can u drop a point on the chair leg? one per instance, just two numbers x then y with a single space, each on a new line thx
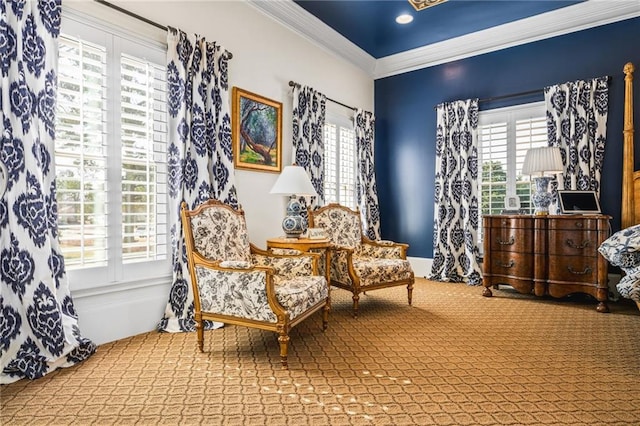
356 303
325 315
410 292
200 333
283 339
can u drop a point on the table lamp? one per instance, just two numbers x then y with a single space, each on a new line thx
542 160
294 182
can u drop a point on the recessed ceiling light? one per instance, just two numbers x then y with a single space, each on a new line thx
404 19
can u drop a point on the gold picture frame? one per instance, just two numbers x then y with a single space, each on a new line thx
257 132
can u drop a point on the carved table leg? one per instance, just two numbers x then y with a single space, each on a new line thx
603 307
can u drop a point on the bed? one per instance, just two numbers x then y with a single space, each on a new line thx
630 214
622 249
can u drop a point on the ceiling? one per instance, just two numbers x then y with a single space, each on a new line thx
371 25
364 32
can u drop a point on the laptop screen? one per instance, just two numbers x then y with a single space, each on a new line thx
579 202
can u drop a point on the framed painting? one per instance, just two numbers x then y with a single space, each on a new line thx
257 132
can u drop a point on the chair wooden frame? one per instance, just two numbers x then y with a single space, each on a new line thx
283 323
356 288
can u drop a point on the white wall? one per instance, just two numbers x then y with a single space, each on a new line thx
266 56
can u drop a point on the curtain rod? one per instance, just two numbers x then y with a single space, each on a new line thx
511 95
514 95
142 18
294 84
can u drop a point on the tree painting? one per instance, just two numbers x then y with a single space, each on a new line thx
257 131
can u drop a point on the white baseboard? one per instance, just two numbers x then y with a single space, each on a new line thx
421 266
105 315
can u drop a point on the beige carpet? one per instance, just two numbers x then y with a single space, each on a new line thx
454 358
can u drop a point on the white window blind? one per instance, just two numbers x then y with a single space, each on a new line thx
144 168
111 167
505 136
493 152
81 153
530 133
347 159
339 161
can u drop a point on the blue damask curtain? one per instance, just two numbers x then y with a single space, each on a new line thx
366 189
309 110
456 217
38 321
577 123
200 154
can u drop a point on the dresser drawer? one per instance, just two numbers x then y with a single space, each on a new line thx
512 264
573 269
509 233
573 243
576 223
513 222
511 239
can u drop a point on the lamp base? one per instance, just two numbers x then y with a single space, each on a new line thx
293 223
542 198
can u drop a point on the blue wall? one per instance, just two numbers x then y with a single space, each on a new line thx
406 119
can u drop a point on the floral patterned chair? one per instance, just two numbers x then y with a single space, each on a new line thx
236 283
359 264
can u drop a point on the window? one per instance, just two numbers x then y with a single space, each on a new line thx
505 136
339 161
110 152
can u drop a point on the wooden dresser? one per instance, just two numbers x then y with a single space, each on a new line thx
553 255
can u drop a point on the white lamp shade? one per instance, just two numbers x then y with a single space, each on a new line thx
293 180
544 159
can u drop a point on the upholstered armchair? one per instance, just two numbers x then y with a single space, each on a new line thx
359 264
234 282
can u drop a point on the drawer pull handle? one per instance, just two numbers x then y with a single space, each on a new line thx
507 243
511 264
579 225
586 271
584 244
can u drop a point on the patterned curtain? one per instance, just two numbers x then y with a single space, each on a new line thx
366 189
309 110
456 218
200 157
577 123
38 322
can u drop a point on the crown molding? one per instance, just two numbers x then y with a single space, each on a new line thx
581 16
294 17
569 19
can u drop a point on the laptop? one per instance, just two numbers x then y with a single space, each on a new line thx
579 202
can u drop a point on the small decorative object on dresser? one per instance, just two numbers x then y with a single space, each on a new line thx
550 255
512 202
